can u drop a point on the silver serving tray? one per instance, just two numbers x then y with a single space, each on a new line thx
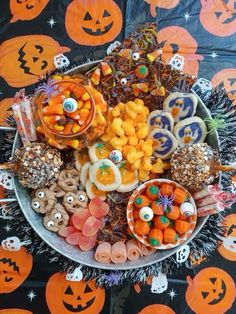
87 258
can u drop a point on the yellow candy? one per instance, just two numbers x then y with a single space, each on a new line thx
115 112
143 175
146 164
147 147
58 128
141 117
133 140
158 167
116 126
128 127
118 141
100 118
80 104
85 96
136 164
121 106
139 102
75 128
142 133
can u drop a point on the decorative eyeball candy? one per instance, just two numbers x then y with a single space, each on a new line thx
115 156
70 105
146 214
187 209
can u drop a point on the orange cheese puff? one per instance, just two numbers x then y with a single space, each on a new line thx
180 196
161 222
157 208
136 213
170 235
68 128
173 212
141 201
152 192
95 78
166 189
53 109
181 226
155 237
141 227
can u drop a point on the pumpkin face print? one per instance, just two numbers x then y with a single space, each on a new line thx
157 309
66 297
228 247
218 17
6 111
92 22
226 78
177 40
26 9
27 58
14 268
212 290
164 4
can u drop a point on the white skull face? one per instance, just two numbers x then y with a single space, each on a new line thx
177 62
77 275
112 47
203 84
182 254
61 61
159 283
230 243
6 180
11 244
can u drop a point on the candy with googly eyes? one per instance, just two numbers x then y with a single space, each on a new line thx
43 200
190 131
135 56
70 105
115 156
181 105
164 143
161 120
146 214
123 81
187 209
56 219
73 201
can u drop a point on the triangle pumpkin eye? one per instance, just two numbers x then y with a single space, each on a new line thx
87 289
69 290
213 280
87 17
105 14
205 294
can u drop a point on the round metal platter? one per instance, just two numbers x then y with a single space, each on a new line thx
87 258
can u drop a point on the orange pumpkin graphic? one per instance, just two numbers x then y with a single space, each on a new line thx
14 311
23 59
157 309
15 267
218 17
67 297
177 40
228 247
226 78
26 9
212 290
164 4
5 111
93 23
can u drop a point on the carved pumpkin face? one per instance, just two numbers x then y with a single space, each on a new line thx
92 23
27 57
26 9
6 111
218 17
164 4
15 311
14 268
157 309
177 40
66 297
228 247
212 290
226 78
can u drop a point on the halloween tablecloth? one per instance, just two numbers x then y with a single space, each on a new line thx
32 32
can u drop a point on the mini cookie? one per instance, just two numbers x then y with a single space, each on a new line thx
190 131
58 192
98 151
74 201
161 120
164 143
43 200
81 157
56 219
68 180
181 105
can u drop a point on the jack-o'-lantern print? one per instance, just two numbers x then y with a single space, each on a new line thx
228 246
6 111
92 22
27 58
212 290
226 78
218 17
26 9
15 266
177 40
163 4
157 309
67 297
15 311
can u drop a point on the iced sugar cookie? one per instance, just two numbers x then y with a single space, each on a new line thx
92 191
81 157
181 105
84 172
164 143
129 177
160 119
190 131
98 151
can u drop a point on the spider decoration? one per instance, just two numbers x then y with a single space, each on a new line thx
48 89
218 122
166 201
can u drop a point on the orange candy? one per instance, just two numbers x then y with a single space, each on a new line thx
170 235
181 226
161 222
152 192
155 237
173 212
157 208
166 189
136 214
180 196
141 201
141 227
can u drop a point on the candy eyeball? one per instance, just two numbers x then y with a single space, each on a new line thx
70 105
70 199
135 56
58 216
115 156
50 223
123 81
82 198
146 214
187 209
36 205
41 194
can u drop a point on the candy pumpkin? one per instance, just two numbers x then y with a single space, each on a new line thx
26 9
67 297
27 57
217 17
14 268
157 309
177 40
228 246
92 22
15 311
212 290
6 111
163 4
